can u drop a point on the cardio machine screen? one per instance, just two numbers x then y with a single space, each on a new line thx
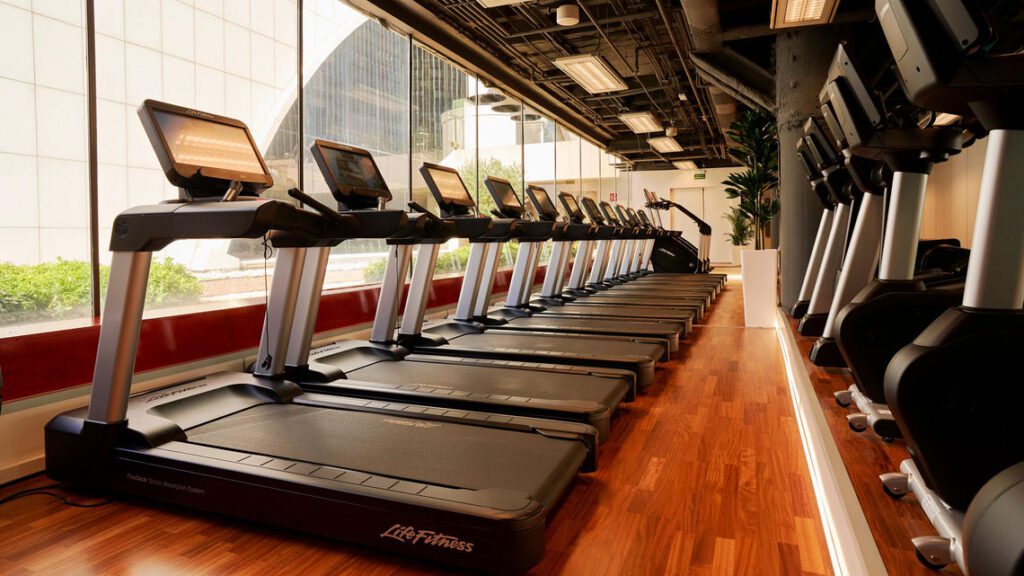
540 196
356 170
506 194
203 143
450 186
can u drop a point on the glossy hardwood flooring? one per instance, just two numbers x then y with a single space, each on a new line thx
703 474
893 522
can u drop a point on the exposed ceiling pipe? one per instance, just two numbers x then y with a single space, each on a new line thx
663 10
425 26
737 76
587 25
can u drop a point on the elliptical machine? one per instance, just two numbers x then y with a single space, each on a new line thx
949 390
824 228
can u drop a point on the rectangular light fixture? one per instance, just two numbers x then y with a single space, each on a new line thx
946 119
496 3
641 122
685 164
591 72
791 13
665 144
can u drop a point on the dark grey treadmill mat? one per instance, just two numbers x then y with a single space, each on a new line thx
425 451
507 381
597 325
566 343
603 310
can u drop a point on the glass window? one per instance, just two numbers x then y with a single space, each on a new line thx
608 169
567 161
45 269
239 63
500 151
357 93
590 170
539 150
444 131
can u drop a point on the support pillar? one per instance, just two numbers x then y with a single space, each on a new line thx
802 58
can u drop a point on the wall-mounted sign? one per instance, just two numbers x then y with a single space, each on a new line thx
700 175
613 197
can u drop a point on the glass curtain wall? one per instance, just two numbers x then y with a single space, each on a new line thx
444 131
356 92
234 59
45 267
362 85
590 170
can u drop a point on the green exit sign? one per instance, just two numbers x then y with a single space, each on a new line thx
700 175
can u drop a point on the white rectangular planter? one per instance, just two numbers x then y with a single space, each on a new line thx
760 287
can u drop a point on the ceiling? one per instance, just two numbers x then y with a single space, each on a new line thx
661 48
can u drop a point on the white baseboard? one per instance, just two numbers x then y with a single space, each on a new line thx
851 546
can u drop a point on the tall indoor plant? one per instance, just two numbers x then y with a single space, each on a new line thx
755 144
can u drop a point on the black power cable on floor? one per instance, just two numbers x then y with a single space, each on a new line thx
47 491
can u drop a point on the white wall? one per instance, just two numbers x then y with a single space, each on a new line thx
712 209
951 199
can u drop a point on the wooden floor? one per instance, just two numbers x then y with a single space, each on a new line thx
893 522
703 474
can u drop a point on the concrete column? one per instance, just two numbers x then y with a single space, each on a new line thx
801 63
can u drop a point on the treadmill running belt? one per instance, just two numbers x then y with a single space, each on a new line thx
427 451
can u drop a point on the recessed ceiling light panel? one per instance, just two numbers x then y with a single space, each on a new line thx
641 122
592 73
495 3
791 13
685 164
664 144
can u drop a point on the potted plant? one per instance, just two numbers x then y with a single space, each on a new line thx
755 145
740 233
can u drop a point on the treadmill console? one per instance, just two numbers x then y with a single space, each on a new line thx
850 101
351 174
449 191
592 211
207 156
609 214
542 202
505 197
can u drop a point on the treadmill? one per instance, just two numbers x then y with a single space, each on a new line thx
465 488
608 276
381 370
561 303
519 315
681 281
551 295
457 337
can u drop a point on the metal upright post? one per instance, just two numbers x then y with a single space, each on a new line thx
390 298
119 336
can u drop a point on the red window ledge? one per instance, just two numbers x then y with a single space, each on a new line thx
46 362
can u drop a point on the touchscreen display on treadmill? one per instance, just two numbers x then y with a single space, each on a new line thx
449 185
506 194
541 195
352 169
573 205
199 142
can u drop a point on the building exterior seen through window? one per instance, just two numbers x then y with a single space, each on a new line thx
362 85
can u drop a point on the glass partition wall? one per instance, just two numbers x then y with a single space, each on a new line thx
361 84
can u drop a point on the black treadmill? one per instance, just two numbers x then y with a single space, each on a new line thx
456 337
552 296
682 282
380 369
516 316
573 302
461 487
